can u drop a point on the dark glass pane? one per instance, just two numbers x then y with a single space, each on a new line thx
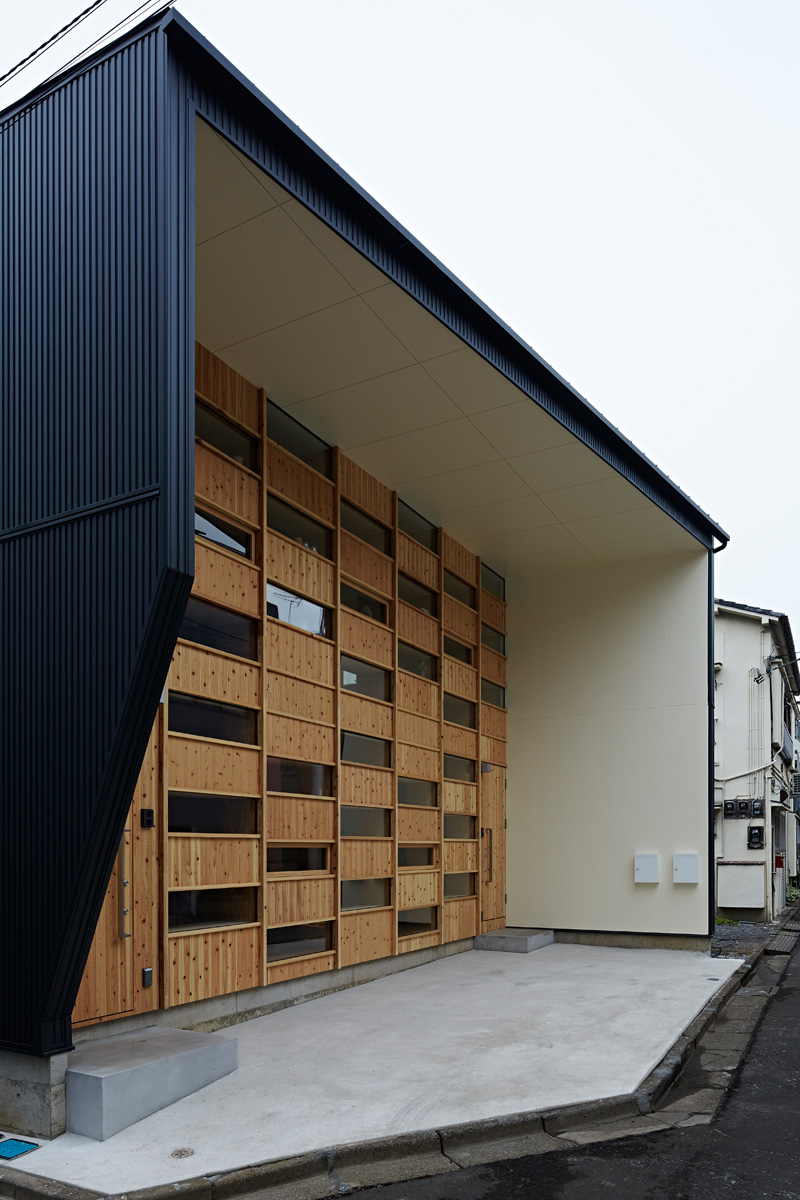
459 828
297 611
414 593
416 661
494 640
416 526
366 528
492 693
366 893
212 719
210 427
293 941
361 677
417 920
367 605
355 821
369 751
191 812
458 589
462 769
301 778
222 533
415 856
207 907
297 858
297 527
458 711
416 791
492 582
298 440
457 650
461 883
219 628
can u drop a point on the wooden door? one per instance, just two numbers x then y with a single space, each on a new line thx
107 986
493 848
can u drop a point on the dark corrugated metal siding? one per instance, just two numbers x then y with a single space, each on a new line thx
96 480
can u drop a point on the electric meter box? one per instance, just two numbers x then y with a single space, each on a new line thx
686 868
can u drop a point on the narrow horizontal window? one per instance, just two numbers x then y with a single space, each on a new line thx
492 693
458 711
298 440
457 650
297 527
363 603
197 812
458 589
219 628
212 719
214 529
355 821
367 528
415 856
416 661
416 791
368 751
293 941
459 883
366 680
366 893
298 611
461 769
207 907
223 435
297 858
492 582
459 828
492 639
417 920
415 526
415 594
299 778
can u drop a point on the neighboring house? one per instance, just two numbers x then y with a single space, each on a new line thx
757 724
424 567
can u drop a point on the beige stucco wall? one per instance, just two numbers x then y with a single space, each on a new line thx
608 745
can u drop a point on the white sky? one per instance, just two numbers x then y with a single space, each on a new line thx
617 179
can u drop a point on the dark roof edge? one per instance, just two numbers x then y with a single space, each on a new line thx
782 620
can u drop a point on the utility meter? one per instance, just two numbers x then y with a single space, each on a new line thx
755 837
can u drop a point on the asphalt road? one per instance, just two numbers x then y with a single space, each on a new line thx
750 1151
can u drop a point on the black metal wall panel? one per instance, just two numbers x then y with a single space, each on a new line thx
96 481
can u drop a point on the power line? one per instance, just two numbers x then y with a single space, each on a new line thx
51 41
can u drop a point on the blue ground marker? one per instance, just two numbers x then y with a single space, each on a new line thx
13 1147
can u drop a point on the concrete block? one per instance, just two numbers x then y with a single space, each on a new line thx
32 1094
116 1082
515 941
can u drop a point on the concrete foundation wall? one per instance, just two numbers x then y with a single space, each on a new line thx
33 1098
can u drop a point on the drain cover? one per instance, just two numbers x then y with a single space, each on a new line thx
13 1147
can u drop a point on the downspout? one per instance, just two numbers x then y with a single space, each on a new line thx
712 862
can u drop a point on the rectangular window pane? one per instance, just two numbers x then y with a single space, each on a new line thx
415 856
207 907
223 435
214 529
459 883
191 812
297 527
458 827
296 610
416 791
361 677
458 589
369 530
416 661
300 778
492 582
417 920
212 719
293 941
414 593
298 440
297 858
458 711
366 893
369 751
457 650
494 640
492 693
355 821
363 603
416 526
462 769
219 628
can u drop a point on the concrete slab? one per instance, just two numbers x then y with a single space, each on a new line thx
515 941
469 1037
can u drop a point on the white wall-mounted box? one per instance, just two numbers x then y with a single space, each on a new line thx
645 868
685 868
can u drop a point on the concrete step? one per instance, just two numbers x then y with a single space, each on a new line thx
515 941
117 1081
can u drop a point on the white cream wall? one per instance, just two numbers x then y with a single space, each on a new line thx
608 745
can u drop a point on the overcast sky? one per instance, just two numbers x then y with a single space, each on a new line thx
617 179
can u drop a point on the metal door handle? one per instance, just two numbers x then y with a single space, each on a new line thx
123 883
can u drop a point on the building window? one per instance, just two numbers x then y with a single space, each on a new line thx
212 719
368 751
223 435
298 611
295 941
297 527
415 856
415 594
460 769
417 920
492 693
355 821
297 859
367 528
416 661
457 650
458 884
492 639
199 812
416 526
459 590
493 583
459 828
366 893
205 908
219 628
366 680
299 778
211 527
298 440
363 603
421 792
458 711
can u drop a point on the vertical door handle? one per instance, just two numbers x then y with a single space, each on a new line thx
123 883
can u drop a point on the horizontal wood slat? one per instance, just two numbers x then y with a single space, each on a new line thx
456 740
461 856
201 862
418 731
459 559
493 750
493 666
417 824
460 620
201 672
213 767
417 628
417 561
360 715
419 942
459 797
293 901
365 491
298 698
366 639
288 737
295 819
299 483
300 570
226 485
366 785
493 611
417 695
459 679
366 858
301 654
365 936
226 388
368 566
202 965
281 971
417 762
417 889
493 721
460 919
220 578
